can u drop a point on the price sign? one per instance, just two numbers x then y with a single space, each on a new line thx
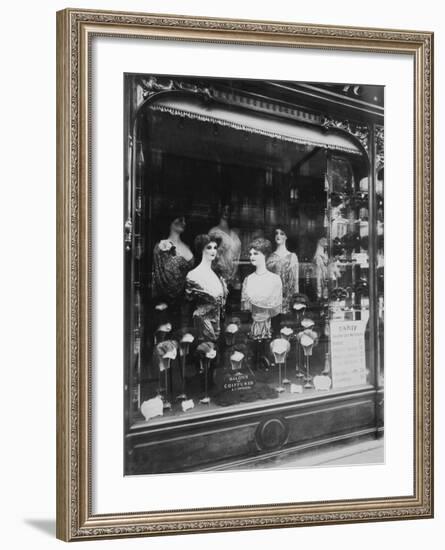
348 360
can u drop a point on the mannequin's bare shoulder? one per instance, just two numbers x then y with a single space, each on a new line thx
193 274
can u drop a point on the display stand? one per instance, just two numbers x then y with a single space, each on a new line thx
280 348
184 348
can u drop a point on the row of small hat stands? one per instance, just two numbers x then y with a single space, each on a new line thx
170 352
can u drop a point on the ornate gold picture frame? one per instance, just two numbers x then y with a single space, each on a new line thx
76 483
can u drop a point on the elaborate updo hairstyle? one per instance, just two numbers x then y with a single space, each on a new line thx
262 245
201 241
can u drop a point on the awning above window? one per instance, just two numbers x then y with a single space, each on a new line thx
259 124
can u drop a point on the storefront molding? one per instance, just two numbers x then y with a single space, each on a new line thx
291 451
198 443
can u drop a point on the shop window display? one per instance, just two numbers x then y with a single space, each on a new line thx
253 283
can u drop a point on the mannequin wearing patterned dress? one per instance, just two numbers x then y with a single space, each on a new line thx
262 292
172 260
207 290
285 264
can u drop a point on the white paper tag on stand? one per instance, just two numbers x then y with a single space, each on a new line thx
188 404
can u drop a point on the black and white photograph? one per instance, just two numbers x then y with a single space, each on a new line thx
221 235
254 274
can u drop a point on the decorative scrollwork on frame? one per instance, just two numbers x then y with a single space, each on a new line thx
359 131
153 85
254 522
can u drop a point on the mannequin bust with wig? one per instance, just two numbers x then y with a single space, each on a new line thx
172 258
207 290
285 264
262 291
205 274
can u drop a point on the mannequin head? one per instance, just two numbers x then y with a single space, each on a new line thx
222 212
172 221
178 225
259 250
225 212
280 235
206 248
